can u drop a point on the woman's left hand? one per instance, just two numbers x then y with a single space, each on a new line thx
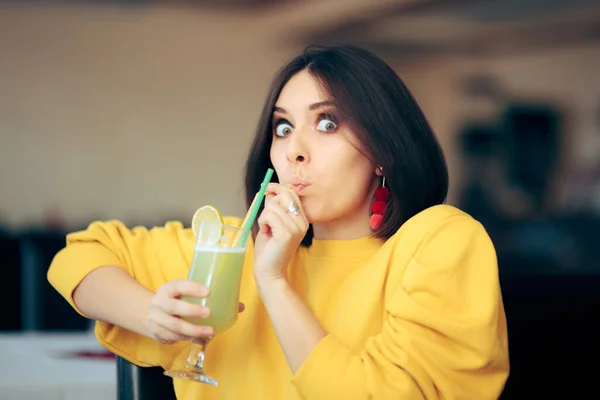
282 226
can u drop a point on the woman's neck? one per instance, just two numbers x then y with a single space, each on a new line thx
343 229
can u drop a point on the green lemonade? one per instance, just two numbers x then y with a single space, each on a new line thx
220 269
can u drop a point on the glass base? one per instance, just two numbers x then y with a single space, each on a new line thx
192 376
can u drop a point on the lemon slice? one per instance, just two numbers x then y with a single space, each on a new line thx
207 225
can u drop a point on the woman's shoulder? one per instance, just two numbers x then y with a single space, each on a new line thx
432 216
439 242
439 228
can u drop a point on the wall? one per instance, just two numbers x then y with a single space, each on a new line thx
141 115
566 77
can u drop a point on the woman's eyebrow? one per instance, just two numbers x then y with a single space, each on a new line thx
321 104
279 110
312 107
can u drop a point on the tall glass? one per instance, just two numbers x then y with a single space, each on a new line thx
220 269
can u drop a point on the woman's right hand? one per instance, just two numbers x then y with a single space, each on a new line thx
167 310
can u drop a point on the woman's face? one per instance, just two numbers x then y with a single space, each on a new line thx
312 151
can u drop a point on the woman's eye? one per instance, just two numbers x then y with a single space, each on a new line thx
326 125
283 129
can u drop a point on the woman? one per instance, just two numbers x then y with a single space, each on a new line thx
346 297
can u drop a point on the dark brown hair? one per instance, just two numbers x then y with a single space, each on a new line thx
385 119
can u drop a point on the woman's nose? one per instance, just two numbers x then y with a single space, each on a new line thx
297 151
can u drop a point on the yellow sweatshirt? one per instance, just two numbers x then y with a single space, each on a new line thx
418 316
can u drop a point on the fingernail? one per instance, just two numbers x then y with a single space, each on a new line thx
208 331
205 312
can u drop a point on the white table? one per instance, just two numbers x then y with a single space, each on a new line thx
38 367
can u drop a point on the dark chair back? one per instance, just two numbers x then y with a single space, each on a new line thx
137 383
10 263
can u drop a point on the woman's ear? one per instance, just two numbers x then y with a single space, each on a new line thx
379 171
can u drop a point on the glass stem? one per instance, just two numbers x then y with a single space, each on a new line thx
195 360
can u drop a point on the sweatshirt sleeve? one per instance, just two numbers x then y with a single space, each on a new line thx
112 244
444 332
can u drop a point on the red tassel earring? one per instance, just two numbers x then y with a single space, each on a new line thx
382 195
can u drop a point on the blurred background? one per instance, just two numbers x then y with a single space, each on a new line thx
143 110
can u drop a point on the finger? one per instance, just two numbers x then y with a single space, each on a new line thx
287 193
182 308
284 201
292 223
276 188
298 202
269 197
184 287
271 223
181 327
165 336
